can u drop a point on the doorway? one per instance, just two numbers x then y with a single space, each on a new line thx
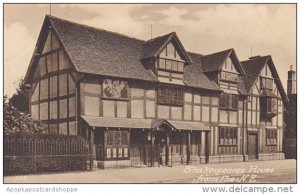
252 146
161 156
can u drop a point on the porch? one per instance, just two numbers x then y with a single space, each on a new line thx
123 142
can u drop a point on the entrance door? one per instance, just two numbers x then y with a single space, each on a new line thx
160 148
252 146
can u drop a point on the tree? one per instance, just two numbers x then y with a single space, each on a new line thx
20 99
15 121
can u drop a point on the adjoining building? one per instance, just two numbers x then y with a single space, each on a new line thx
150 103
290 117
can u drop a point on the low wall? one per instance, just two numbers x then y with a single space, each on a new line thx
271 156
113 164
226 158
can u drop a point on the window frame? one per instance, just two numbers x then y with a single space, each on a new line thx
229 101
264 85
228 136
170 95
224 76
170 65
271 136
118 144
266 102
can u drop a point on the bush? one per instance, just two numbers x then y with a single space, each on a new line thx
15 121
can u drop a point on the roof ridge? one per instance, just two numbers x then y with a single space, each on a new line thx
95 28
218 52
153 39
256 58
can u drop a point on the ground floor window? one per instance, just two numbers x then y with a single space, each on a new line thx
271 136
116 143
227 135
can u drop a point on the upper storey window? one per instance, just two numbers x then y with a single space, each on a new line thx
170 95
170 60
228 72
229 101
266 83
229 76
268 106
170 65
266 79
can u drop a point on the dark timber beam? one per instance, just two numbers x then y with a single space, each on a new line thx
91 141
152 148
188 147
167 148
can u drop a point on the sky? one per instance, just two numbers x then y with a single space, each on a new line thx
251 29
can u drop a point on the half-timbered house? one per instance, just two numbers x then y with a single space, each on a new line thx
150 103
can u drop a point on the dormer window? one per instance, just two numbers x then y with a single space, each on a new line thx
228 71
171 65
229 76
266 83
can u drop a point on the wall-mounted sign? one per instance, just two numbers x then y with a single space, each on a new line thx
115 88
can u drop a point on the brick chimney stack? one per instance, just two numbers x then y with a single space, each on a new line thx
291 82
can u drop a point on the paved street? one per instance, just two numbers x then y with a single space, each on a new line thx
276 171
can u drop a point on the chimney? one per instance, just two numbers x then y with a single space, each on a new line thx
291 82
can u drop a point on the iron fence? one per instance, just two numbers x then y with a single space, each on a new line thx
38 153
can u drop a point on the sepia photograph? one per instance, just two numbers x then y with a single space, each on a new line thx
150 93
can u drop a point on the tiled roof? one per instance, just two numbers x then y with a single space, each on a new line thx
102 52
252 68
142 123
214 61
195 77
151 47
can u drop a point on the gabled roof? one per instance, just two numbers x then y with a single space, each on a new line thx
152 48
253 67
214 61
195 77
252 70
100 52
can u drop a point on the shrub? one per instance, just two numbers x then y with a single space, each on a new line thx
15 121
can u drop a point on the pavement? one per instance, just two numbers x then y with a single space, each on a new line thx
274 171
